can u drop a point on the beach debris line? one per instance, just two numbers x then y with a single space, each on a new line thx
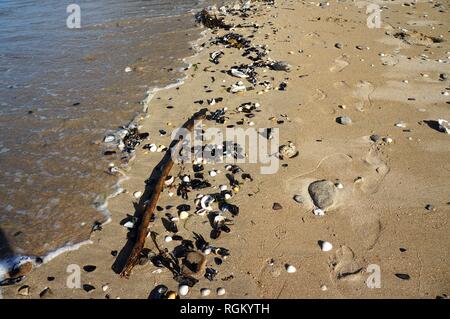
210 18
164 168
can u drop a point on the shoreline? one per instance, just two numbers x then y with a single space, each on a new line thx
360 226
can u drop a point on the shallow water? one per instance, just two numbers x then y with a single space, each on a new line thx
62 90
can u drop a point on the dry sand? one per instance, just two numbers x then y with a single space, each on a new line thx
378 217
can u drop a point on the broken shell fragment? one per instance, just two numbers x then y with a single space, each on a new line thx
206 202
129 225
288 151
168 239
236 88
169 180
318 212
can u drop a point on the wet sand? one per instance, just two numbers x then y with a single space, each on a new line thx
380 216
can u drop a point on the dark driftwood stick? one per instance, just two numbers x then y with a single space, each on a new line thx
164 166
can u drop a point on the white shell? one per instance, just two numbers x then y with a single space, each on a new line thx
206 202
105 287
169 180
184 215
318 212
223 187
207 251
128 69
137 194
401 124
128 225
388 140
227 196
183 290
109 139
221 291
323 288
153 148
326 246
161 148
291 269
205 292
235 88
339 185
212 173
238 74
168 239
186 179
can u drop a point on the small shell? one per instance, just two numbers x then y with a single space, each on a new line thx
318 212
223 187
227 196
207 251
153 148
206 202
213 173
291 269
168 239
171 295
128 69
169 180
221 291
129 225
183 215
339 185
183 290
161 148
186 179
109 139
388 140
205 292
326 246
137 194
323 288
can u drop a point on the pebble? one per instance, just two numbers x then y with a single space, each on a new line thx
298 199
109 139
400 124
344 120
221 291
388 140
291 269
183 290
429 207
105 287
322 193
375 137
212 173
205 292
128 69
137 194
338 45
323 288
277 206
326 246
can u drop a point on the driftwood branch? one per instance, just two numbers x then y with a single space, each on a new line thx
163 169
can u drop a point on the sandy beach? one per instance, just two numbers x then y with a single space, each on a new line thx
361 105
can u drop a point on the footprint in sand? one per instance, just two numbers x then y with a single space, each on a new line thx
339 64
362 92
345 266
360 171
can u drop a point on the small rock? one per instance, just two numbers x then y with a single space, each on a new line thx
322 193
344 120
298 199
323 288
338 45
429 207
375 137
137 194
277 206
